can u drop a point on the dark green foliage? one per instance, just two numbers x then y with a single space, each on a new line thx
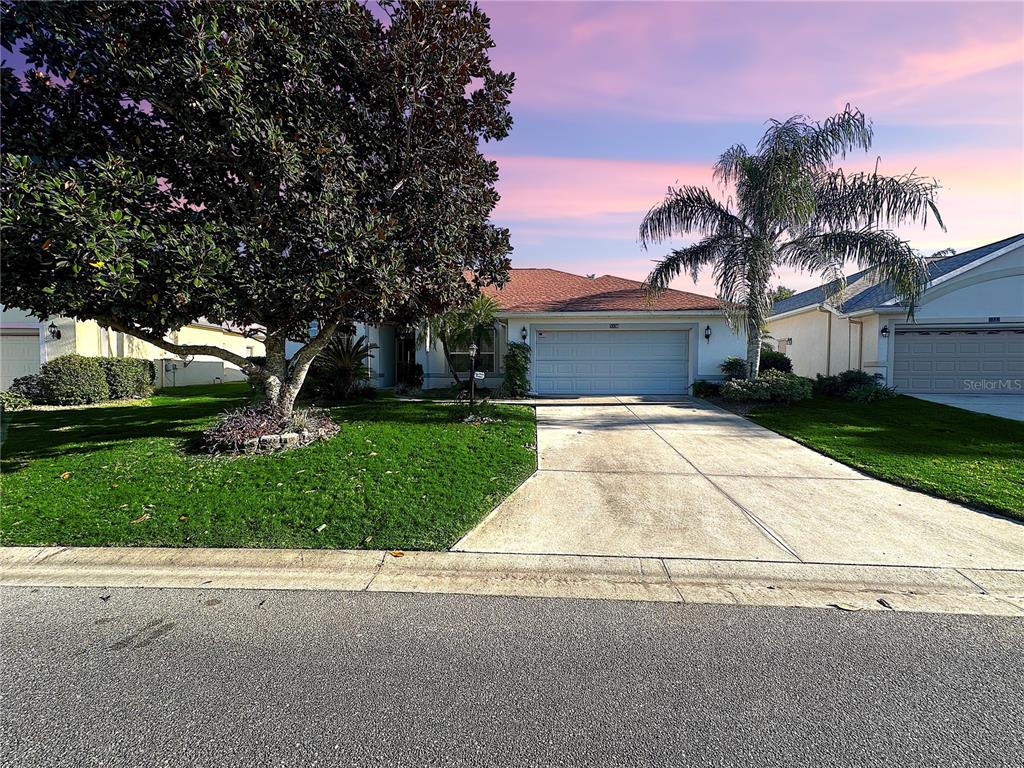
517 370
74 380
775 361
127 376
13 401
410 376
265 163
342 371
702 388
771 387
31 387
853 384
734 368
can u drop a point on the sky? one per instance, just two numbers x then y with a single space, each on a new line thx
615 101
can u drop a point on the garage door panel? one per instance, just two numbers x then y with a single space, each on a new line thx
19 354
958 361
609 361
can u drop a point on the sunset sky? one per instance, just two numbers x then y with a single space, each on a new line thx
617 100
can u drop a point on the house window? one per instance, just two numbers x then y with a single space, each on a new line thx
484 354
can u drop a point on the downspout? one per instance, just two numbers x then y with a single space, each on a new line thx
828 341
860 341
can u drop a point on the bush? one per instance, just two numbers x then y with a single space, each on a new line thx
410 376
127 376
770 387
74 380
853 384
30 387
517 370
13 401
341 371
734 368
234 430
774 361
703 388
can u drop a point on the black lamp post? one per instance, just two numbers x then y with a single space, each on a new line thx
523 334
54 331
885 331
707 333
472 374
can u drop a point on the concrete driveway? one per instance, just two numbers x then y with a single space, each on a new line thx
1004 406
626 477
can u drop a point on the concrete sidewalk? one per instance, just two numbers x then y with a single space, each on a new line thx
844 587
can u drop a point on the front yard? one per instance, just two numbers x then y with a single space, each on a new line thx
958 455
400 475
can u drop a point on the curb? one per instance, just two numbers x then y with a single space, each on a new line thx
734 582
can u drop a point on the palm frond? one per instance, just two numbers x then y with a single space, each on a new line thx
730 164
863 200
688 209
691 259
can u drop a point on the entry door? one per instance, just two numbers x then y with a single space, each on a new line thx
612 362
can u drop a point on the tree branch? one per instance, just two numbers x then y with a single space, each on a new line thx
181 350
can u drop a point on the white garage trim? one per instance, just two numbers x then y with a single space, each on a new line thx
958 360
613 358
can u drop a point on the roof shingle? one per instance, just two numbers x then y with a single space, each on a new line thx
551 290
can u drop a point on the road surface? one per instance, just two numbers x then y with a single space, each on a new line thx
154 677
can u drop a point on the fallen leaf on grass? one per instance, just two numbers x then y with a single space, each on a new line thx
142 518
183 519
65 475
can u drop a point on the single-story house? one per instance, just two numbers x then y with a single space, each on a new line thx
26 343
967 334
588 336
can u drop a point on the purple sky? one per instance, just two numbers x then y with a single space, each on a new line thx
617 100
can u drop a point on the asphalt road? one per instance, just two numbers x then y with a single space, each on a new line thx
237 678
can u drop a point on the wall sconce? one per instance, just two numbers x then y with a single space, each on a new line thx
885 331
523 334
54 331
707 334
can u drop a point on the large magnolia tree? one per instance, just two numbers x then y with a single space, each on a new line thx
271 165
790 206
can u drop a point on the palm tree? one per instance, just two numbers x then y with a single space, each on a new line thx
790 206
344 362
459 326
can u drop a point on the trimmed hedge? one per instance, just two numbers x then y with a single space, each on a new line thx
128 376
769 387
856 385
772 360
74 380
30 387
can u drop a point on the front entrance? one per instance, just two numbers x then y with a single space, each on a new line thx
405 355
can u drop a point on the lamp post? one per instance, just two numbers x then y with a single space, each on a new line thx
472 374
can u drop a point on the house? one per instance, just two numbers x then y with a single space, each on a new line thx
26 343
588 336
967 334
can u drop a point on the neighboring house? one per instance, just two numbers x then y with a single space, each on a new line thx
588 336
967 334
26 343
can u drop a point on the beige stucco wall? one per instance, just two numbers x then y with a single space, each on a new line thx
826 343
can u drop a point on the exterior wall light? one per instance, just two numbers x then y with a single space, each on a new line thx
54 331
885 331
523 334
707 334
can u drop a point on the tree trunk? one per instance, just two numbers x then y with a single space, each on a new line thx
753 350
451 363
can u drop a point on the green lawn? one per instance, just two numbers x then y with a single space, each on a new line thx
959 455
400 475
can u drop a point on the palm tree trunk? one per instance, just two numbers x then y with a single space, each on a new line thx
753 350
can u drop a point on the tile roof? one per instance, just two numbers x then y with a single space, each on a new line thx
551 290
864 291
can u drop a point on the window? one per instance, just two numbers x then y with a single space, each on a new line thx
484 354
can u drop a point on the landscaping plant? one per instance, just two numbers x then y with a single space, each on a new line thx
342 370
279 166
30 387
789 206
245 429
127 376
13 401
734 368
73 380
774 361
771 387
517 370
853 384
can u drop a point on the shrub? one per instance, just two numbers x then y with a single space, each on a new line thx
734 368
770 387
517 370
774 361
30 387
127 376
74 380
341 370
870 393
13 401
234 429
703 388
853 384
410 376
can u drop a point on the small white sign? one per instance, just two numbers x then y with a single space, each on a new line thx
479 375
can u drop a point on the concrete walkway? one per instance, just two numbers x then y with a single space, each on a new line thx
1004 406
621 477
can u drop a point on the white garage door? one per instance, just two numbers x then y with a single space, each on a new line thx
19 354
612 362
959 361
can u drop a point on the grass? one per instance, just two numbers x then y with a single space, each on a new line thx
958 455
400 475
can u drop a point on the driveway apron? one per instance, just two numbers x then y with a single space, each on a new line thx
625 477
